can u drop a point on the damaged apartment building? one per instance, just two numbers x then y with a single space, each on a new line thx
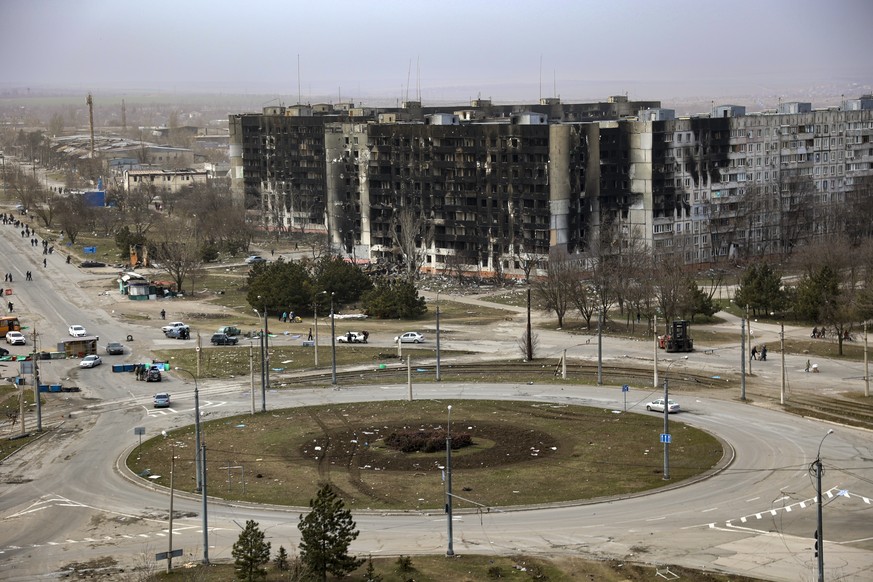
497 190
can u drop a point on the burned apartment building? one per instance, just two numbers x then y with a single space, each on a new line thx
497 190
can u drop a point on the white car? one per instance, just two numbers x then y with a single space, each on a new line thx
15 338
658 406
172 326
90 361
410 337
251 260
77 331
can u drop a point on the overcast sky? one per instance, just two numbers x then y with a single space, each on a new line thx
451 49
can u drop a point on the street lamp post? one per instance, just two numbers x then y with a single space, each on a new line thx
438 378
332 342
197 460
819 534
450 550
265 358
172 491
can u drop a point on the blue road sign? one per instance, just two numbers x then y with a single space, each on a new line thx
665 438
625 388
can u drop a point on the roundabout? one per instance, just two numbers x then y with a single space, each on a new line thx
518 453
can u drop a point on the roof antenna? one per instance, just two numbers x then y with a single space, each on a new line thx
541 76
298 78
408 76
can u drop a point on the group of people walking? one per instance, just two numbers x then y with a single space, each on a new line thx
759 354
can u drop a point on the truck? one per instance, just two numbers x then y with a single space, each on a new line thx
676 339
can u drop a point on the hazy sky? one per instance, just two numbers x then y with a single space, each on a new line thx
451 49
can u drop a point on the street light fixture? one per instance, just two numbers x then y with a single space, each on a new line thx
665 437
172 491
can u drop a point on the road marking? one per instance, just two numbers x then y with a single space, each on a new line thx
708 510
657 518
803 505
742 519
752 499
758 515
787 508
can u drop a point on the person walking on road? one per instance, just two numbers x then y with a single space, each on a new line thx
163 314
44 263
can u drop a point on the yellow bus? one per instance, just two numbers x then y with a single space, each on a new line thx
8 324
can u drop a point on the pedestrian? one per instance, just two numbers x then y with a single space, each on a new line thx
44 263
272 252
163 314
310 335
284 317
11 307
764 354
807 366
815 332
292 317
754 352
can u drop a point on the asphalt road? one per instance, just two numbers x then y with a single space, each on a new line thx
66 500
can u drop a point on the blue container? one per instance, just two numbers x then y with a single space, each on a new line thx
55 388
128 367
117 368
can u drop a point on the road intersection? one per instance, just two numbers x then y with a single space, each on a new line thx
69 498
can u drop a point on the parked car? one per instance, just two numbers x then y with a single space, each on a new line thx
3 352
173 325
91 361
179 333
115 349
77 331
252 259
229 330
91 264
410 337
658 406
15 338
153 375
353 337
161 400
222 339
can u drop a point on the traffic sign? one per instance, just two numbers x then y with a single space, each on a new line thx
165 555
625 388
665 438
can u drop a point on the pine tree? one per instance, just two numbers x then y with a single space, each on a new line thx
250 553
326 533
370 575
281 559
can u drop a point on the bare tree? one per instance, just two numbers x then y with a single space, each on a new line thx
73 215
177 252
413 234
555 291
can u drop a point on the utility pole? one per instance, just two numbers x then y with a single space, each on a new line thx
866 365
205 522
450 550
37 397
666 430
529 340
819 532
172 490
782 349
655 329
252 373
600 347
743 360
438 378
266 360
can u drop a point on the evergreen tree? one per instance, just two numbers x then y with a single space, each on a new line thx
326 533
761 289
394 300
281 559
282 286
250 553
370 575
346 280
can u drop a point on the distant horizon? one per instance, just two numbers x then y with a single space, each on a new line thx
752 97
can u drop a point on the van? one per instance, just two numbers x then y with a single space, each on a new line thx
8 324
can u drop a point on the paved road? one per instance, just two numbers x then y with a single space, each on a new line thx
65 499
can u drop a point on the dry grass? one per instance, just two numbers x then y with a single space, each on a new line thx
524 453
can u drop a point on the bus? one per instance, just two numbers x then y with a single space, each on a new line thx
8 324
